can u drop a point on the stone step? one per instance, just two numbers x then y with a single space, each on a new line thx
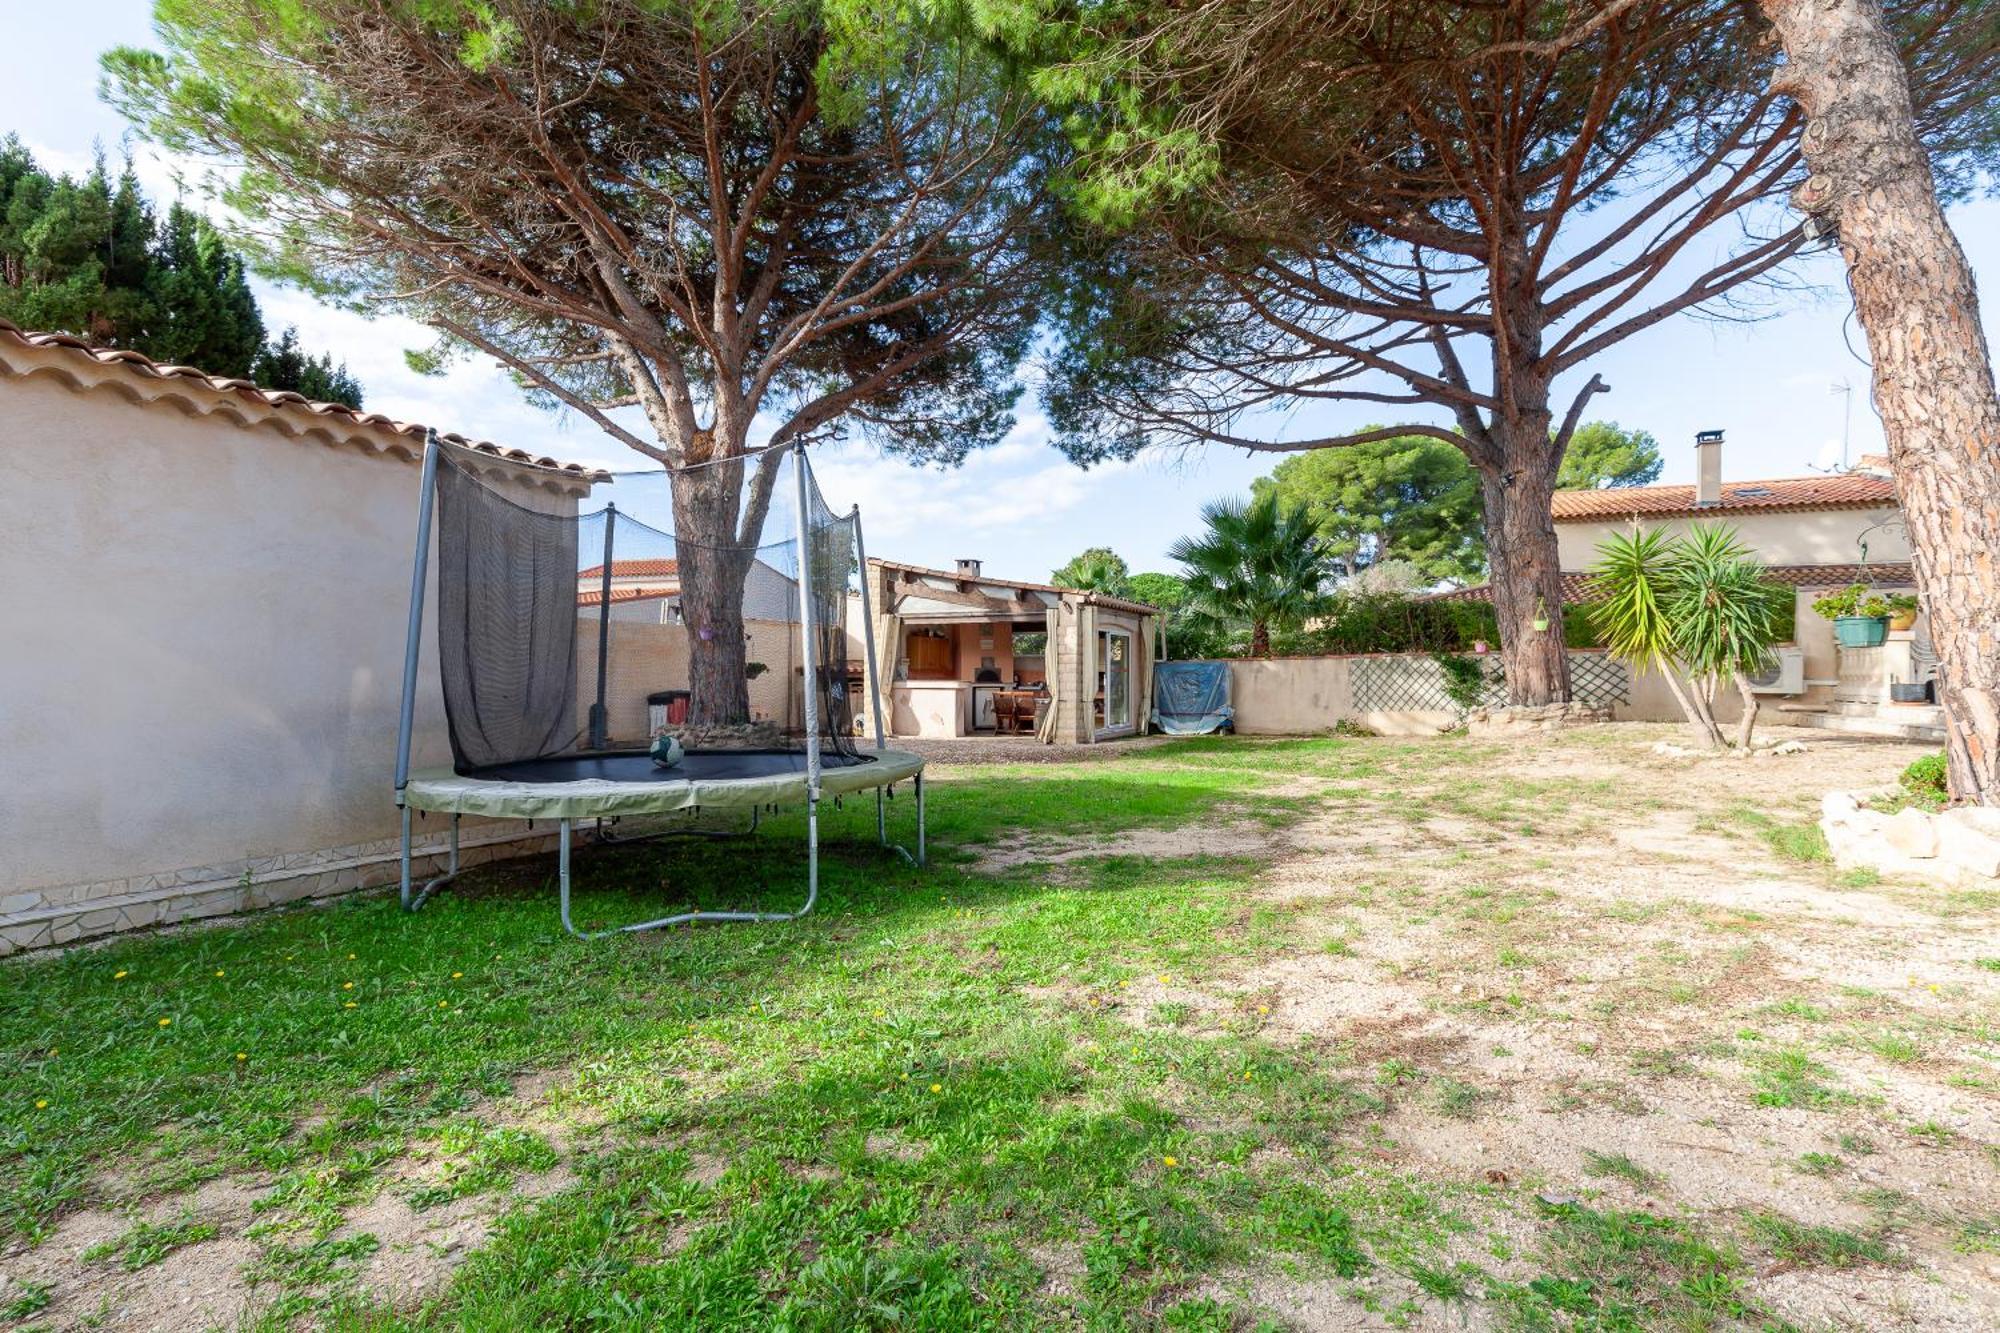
1889 728
1908 714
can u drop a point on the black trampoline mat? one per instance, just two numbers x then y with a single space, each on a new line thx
638 766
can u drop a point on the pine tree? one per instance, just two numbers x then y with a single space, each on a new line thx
285 366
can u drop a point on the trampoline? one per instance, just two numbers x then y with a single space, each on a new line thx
536 736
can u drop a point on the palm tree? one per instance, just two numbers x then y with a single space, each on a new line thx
1258 564
1095 570
1695 609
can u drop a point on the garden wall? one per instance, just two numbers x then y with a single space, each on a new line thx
1398 694
203 603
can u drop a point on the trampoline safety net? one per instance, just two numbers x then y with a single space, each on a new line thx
568 631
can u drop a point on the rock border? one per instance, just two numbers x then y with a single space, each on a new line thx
1953 846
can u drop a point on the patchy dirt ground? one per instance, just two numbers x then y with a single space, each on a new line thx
1597 976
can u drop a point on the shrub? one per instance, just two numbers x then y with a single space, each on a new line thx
1364 622
1464 680
1924 781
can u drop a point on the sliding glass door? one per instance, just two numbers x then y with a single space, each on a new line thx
1114 656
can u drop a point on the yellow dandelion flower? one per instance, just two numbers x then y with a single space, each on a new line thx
1123 984
350 958
1170 1161
347 985
350 1005
41 1104
165 1022
242 1055
1263 1008
881 1013
1165 980
456 975
937 1087
1933 989
1246 1076
220 973
120 976
906 1078
444 1004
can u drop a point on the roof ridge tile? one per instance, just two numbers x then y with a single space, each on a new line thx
281 400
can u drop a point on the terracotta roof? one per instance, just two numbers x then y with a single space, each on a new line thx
635 569
596 595
410 434
993 581
1846 490
1575 584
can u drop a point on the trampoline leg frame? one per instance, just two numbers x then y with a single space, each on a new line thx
882 823
689 918
412 902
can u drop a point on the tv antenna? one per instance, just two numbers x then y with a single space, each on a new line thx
1842 387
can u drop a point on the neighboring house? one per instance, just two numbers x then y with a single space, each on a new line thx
649 590
1814 534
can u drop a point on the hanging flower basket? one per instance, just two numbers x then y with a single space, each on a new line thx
1860 631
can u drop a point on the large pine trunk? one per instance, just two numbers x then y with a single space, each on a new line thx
1871 180
712 570
1525 571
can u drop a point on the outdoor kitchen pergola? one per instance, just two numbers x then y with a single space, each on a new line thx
968 654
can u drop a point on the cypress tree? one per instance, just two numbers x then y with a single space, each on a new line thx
89 257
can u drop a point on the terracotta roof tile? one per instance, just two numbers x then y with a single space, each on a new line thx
1846 490
635 569
994 581
138 364
1575 585
595 596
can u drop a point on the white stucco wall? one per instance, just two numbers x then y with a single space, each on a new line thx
204 624
1791 537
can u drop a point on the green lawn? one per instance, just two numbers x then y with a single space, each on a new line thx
933 1104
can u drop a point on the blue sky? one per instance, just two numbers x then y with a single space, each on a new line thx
1021 506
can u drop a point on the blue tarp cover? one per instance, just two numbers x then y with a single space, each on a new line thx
1190 698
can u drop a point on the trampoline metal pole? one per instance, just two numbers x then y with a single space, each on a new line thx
868 644
806 631
404 891
562 876
413 642
810 693
600 719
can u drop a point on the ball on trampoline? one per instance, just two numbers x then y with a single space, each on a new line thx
667 751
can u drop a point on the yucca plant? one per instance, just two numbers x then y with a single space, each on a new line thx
1725 615
1696 609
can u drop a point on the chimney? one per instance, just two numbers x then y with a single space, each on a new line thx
1707 469
968 568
